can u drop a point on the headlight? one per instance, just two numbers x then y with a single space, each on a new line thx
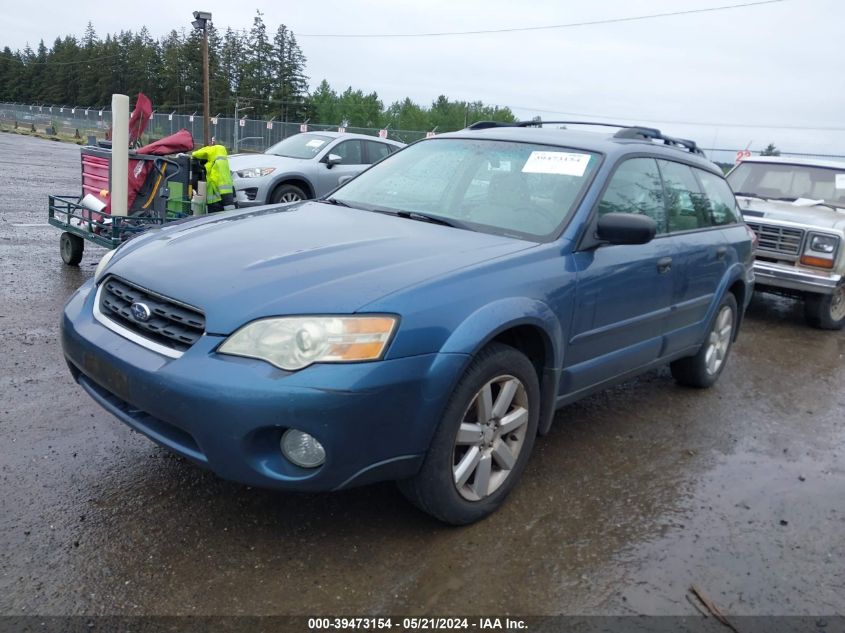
823 243
255 172
292 343
101 267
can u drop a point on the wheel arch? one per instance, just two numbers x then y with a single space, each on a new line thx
297 181
739 291
529 326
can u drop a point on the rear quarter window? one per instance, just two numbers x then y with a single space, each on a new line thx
719 198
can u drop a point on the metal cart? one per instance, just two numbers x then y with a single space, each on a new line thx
164 197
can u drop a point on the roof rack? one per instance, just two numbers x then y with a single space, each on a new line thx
655 135
625 131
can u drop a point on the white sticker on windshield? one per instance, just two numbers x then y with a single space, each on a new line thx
840 181
562 163
315 142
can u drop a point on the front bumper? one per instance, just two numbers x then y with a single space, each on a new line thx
792 278
375 420
252 192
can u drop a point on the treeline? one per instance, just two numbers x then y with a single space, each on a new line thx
269 69
260 71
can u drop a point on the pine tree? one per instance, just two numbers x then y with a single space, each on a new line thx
257 79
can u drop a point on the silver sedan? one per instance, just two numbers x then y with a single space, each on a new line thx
304 166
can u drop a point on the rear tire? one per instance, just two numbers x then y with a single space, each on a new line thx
483 441
826 312
704 369
71 248
287 194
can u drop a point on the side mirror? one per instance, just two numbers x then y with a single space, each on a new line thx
332 160
626 228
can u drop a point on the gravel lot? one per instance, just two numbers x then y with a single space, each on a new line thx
638 492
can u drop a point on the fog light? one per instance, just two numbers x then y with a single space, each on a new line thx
302 449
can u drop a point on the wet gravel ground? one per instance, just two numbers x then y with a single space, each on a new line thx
638 492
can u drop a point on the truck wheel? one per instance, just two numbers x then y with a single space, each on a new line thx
71 247
826 312
482 444
703 369
286 194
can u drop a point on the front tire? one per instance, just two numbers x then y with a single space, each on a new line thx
483 441
287 194
826 312
704 369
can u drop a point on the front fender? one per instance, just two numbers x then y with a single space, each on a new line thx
483 325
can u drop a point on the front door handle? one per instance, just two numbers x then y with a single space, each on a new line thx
721 252
664 265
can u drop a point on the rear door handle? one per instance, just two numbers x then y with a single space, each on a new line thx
664 265
721 252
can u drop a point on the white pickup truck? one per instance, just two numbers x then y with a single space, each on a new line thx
796 206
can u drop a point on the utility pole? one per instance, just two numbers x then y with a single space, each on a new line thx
200 23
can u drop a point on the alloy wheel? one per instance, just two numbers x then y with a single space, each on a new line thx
490 437
719 341
290 196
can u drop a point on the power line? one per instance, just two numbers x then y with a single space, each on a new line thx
548 26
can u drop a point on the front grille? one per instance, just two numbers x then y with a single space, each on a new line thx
172 324
778 239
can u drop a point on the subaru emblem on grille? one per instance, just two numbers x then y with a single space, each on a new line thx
141 311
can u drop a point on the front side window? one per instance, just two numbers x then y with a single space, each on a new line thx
635 187
350 152
686 206
518 189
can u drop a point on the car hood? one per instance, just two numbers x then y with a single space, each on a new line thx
245 161
311 258
754 210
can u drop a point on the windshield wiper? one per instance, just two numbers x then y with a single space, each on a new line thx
336 202
747 194
434 219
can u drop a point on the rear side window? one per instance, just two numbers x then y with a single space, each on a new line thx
376 151
635 187
686 206
720 199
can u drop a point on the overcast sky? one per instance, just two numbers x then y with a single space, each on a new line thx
778 65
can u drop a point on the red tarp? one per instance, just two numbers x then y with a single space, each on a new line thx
181 141
140 117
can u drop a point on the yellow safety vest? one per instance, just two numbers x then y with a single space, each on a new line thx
218 177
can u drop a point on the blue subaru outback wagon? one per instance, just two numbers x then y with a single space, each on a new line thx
424 321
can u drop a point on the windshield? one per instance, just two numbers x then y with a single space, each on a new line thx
777 181
299 146
515 189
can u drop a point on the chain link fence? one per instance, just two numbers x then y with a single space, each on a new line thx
245 135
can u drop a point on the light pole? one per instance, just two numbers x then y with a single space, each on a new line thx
200 23
238 110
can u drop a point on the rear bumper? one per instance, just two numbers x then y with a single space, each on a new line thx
791 278
375 420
